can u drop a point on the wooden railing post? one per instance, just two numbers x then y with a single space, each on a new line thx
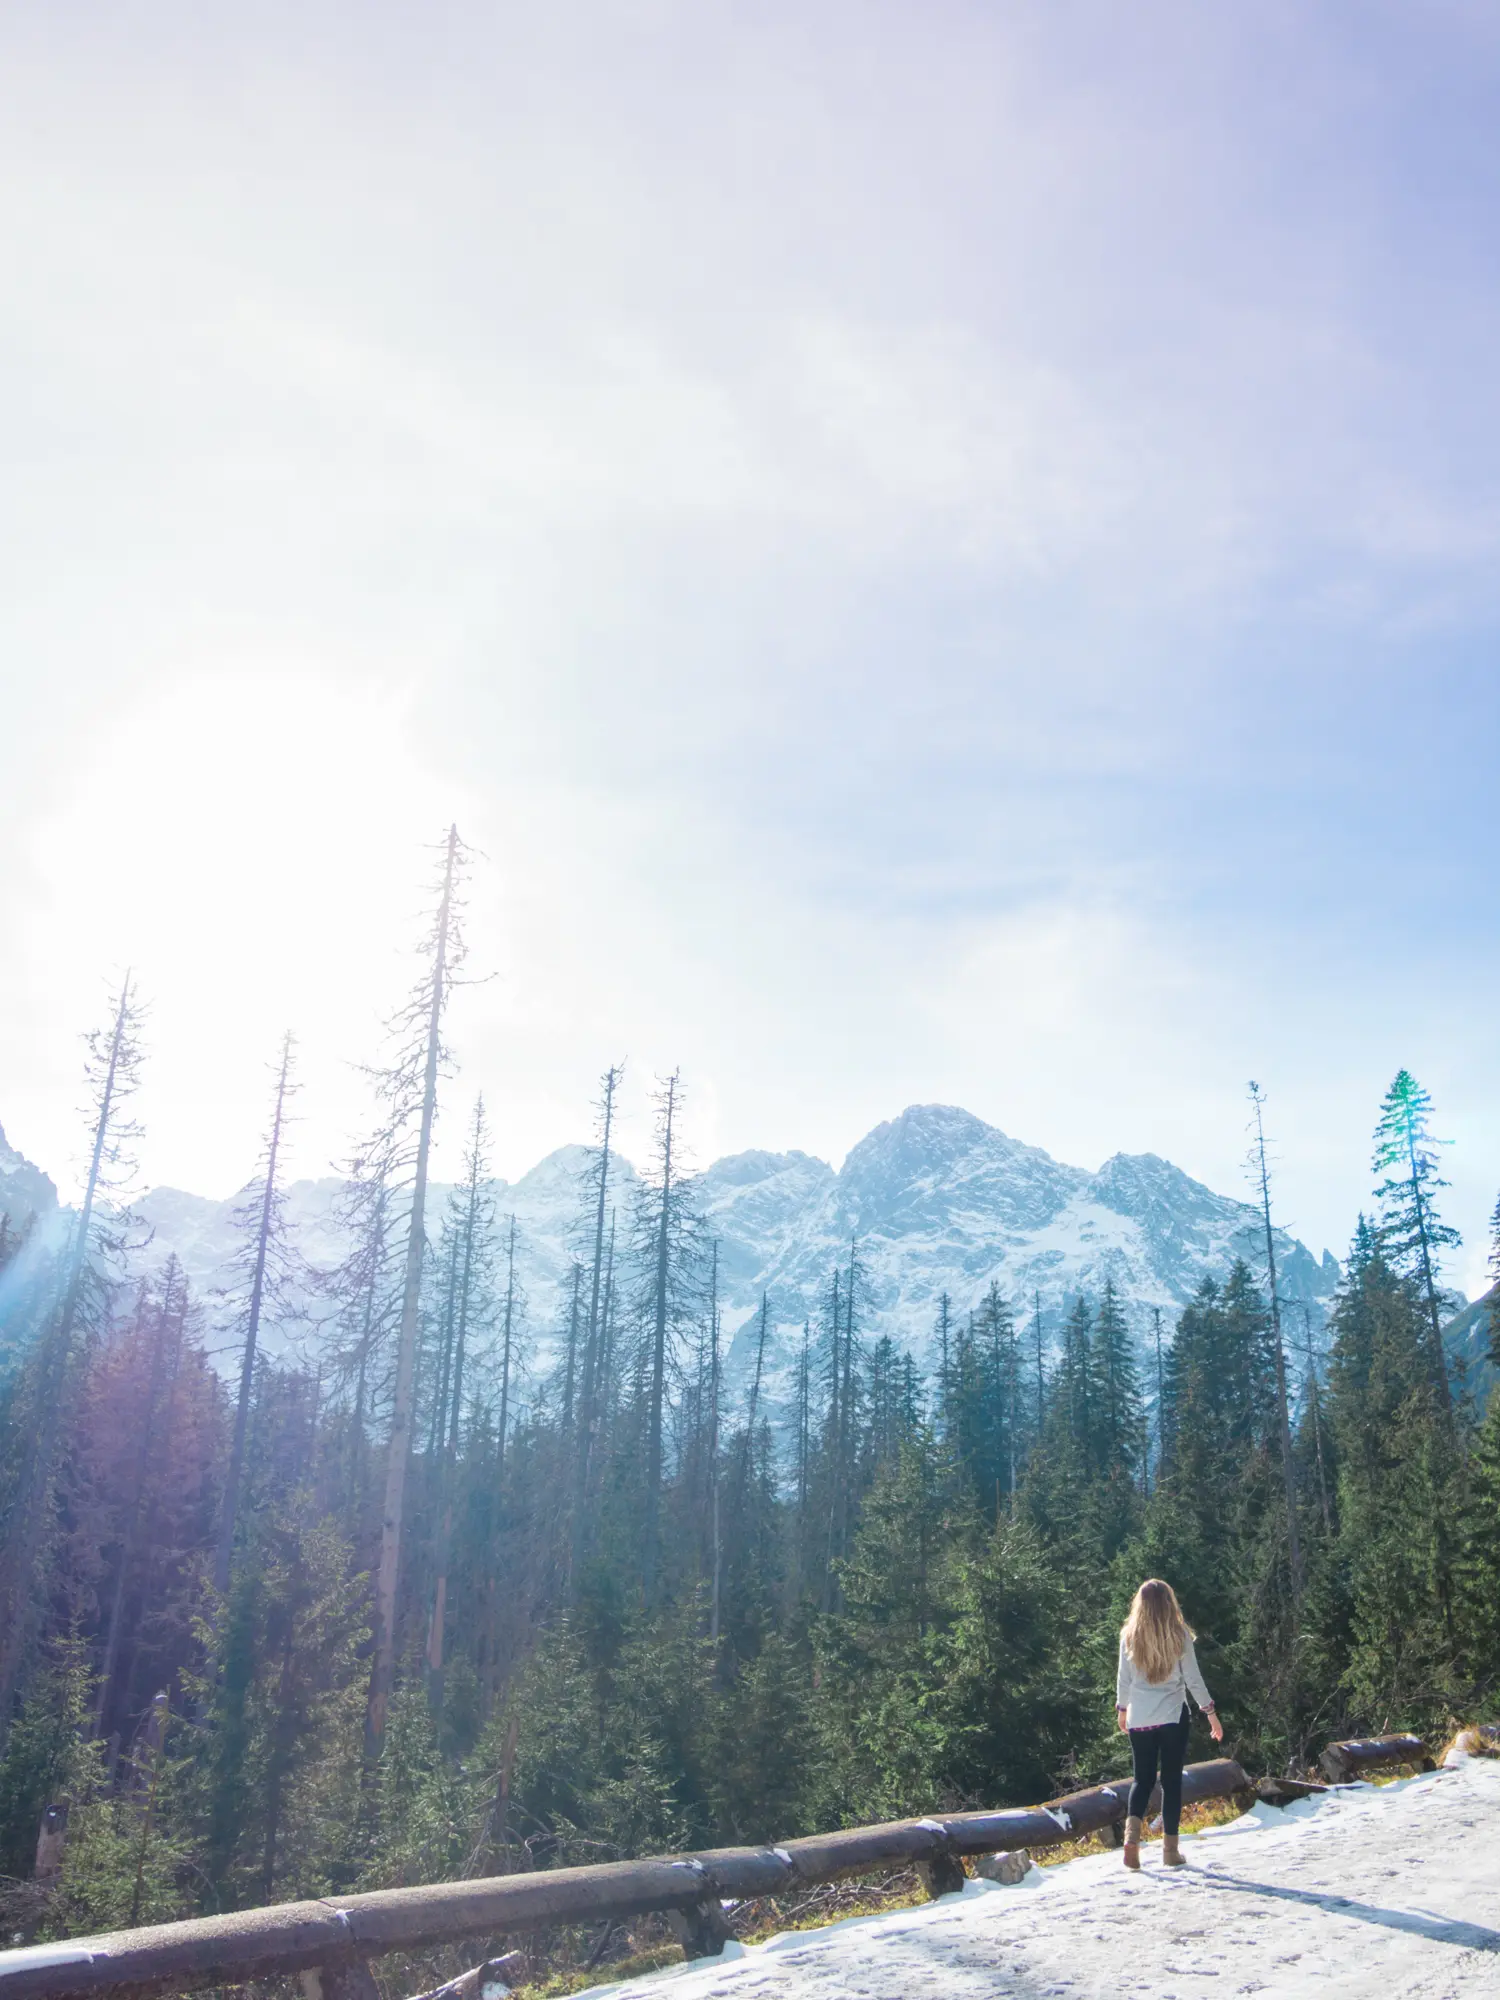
942 1873
1342 1762
340 1979
702 1929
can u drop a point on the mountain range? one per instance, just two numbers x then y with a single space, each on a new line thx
935 1201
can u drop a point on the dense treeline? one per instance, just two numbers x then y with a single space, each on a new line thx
417 1610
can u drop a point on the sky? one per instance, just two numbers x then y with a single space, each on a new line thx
934 552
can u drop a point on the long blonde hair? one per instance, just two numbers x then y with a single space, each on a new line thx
1155 1634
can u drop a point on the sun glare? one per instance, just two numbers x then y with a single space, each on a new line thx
253 845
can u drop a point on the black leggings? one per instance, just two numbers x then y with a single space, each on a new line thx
1165 1745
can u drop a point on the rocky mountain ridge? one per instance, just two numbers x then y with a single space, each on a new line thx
934 1201
25 1191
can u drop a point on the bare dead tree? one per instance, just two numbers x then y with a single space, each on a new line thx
1283 1416
716 1529
112 1072
508 1349
666 1232
168 1319
471 1218
588 1401
411 1085
267 1256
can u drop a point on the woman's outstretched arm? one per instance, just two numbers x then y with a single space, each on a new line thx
1198 1688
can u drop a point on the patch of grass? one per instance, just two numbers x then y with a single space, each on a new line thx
751 1922
1210 1812
576 1980
1394 1773
833 1903
1073 1850
1477 1738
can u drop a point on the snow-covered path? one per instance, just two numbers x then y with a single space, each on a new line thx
1366 1895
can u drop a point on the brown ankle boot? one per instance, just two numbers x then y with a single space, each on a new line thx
1132 1843
1171 1853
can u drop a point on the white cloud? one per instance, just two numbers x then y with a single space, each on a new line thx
892 530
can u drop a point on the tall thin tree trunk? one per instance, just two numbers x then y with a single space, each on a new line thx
173 1302
506 1347
459 1311
748 1453
228 1513
1316 1395
713 1447
1161 1399
153 1738
28 1521
593 1332
760 1361
835 1433
1438 1360
1012 1416
1283 1414
945 1315
1318 1449
572 1365
283 1744
1040 1385
366 1336
804 1417
847 1439
438 1428
651 1564
382 1679
461 1341
605 1389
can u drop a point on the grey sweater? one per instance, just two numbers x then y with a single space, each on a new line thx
1148 1704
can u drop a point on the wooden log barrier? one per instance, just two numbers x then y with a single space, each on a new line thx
1343 1762
1287 1791
330 1942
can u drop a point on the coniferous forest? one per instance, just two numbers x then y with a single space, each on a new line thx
422 1610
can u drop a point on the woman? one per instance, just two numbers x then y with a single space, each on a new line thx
1158 1670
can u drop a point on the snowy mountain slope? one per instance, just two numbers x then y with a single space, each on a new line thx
1472 1336
203 1235
1366 1895
29 1210
25 1190
935 1201
938 1201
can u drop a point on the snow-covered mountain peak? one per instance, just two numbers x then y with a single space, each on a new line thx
936 1160
752 1203
753 1169
25 1191
1147 1187
558 1177
934 1202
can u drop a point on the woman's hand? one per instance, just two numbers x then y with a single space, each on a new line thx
1120 1718
1216 1728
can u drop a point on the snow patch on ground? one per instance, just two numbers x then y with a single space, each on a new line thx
1370 1893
